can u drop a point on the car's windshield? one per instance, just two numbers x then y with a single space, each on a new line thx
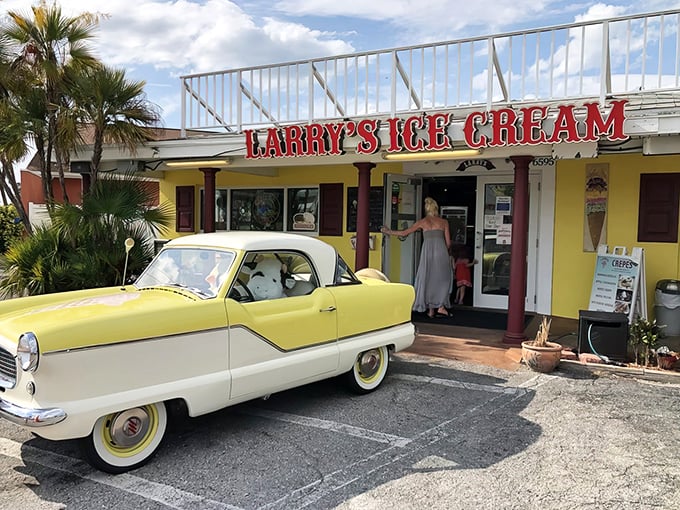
199 270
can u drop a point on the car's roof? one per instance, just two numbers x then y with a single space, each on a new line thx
323 255
248 240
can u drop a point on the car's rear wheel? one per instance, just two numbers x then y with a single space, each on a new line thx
369 370
126 440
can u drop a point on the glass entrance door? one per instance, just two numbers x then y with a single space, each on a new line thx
493 241
403 207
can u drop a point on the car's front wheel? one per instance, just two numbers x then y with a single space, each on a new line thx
369 370
127 439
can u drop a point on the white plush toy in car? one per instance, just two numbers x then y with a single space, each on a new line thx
269 279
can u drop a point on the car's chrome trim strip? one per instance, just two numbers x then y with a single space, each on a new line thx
368 332
149 339
278 347
317 344
31 417
234 326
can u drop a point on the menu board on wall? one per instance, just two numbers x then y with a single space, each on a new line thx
375 209
619 282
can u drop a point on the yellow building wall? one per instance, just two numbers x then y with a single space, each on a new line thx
288 176
573 268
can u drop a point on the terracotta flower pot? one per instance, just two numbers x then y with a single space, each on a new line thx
541 359
667 362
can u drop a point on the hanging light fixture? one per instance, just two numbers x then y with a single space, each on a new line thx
195 163
432 155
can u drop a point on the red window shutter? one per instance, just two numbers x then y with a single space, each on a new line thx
184 209
330 205
658 214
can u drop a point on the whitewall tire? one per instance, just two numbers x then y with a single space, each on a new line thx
369 370
126 440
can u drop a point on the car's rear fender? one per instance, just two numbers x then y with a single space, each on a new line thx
396 338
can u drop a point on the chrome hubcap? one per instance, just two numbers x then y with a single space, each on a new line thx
369 363
129 427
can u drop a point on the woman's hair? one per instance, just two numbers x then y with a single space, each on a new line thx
431 207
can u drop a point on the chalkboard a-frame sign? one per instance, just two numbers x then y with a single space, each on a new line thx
375 213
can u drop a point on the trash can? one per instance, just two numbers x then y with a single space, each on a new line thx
667 306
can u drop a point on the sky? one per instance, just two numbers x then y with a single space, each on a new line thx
160 40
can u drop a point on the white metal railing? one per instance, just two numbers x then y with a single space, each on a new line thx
631 55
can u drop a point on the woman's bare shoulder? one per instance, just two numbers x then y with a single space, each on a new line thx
441 223
434 223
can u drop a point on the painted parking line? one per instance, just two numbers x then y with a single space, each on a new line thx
332 426
300 497
505 390
308 496
161 493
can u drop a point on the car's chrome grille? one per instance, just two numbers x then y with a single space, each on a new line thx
8 369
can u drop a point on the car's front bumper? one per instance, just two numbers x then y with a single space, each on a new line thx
30 417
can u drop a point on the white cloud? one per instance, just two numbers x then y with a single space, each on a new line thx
600 11
427 20
187 36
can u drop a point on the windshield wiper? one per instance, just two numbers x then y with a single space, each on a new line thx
195 290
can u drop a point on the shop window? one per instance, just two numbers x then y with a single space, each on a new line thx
658 212
257 209
184 209
303 209
330 219
376 208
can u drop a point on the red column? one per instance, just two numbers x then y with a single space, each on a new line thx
209 198
514 333
363 199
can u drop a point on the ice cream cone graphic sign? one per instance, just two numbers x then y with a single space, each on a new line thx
595 220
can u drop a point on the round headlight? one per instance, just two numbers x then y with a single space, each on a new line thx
27 352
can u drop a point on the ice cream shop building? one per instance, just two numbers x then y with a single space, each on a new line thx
539 146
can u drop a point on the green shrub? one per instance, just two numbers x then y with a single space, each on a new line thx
644 335
84 246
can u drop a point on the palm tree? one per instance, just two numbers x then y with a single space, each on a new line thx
13 143
84 246
115 108
49 45
13 148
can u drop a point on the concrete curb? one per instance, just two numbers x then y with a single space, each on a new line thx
646 373
566 366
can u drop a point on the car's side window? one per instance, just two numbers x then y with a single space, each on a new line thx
299 269
343 274
273 275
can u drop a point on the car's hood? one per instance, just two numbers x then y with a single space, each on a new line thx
97 316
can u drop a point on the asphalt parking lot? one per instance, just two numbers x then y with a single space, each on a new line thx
437 435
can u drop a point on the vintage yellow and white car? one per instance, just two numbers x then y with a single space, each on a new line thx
214 320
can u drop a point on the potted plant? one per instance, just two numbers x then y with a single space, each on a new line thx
665 358
643 337
540 354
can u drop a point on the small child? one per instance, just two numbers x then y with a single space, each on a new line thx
461 262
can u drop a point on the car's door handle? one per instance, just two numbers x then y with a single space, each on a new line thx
328 309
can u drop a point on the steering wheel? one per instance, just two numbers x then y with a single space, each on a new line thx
240 292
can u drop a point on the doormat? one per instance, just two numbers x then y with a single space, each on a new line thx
471 318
